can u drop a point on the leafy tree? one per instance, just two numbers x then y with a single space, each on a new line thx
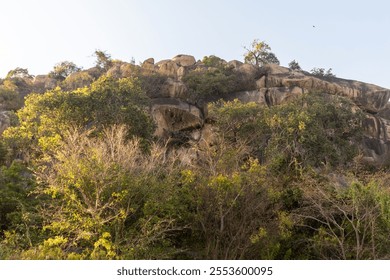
20 221
259 54
320 72
294 65
106 102
63 69
109 200
18 72
103 59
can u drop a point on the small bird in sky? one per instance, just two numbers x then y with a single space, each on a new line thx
314 26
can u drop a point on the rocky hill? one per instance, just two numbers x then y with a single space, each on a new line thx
178 112
187 159
270 85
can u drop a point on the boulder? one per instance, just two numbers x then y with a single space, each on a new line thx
78 80
174 116
168 68
43 83
95 72
174 89
249 71
128 69
235 64
376 142
115 71
184 60
279 95
148 64
149 61
181 72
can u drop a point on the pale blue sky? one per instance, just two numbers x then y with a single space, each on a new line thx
351 37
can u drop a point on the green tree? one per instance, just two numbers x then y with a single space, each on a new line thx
108 199
20 220
320 72
213 61
63 69
259 54
103 59
18 72
106 102
294 65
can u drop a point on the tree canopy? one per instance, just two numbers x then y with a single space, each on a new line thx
259 54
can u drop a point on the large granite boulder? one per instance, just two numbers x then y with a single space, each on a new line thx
175 117
174 88
42 83
78 80
376 141
168 68
368 97
184 60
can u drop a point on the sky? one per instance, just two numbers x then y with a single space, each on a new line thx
351 37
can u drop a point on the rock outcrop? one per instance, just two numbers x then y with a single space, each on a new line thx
174 116
271 85
43 83
179 114
5 120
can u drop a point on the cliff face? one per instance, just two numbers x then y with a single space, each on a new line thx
176 114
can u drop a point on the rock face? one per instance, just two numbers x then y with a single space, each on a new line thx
184 60
176 116
369 97
4 120
43 83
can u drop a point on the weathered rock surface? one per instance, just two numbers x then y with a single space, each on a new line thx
168 68
184 60
175 89
42 83
369 97
174 116
5 121
78 80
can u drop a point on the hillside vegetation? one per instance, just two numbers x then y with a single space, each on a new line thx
91 167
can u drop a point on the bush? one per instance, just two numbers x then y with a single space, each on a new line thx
106 102
213 61
313 130
212 82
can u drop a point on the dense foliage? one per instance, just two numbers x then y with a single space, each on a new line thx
83 177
